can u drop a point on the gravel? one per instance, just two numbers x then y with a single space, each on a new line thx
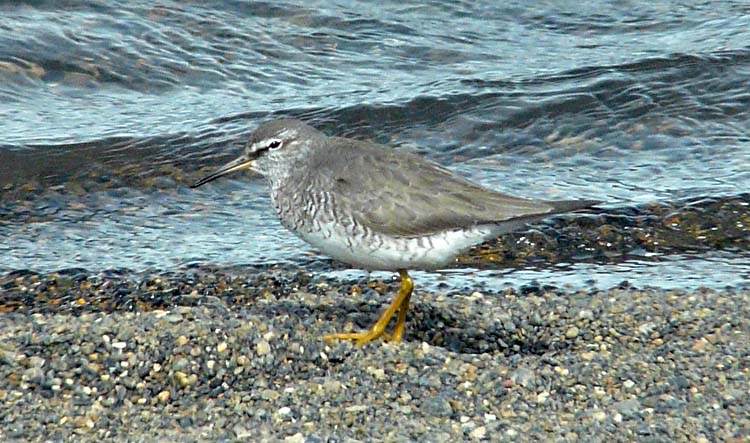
209 355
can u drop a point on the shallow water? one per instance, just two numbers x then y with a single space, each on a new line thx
107 112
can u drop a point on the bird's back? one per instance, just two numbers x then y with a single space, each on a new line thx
401 194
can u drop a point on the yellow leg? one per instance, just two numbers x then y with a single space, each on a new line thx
398 330
400 304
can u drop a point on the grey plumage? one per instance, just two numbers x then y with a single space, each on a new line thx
401 194
377 208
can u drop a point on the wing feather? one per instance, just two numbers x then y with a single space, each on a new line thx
402 194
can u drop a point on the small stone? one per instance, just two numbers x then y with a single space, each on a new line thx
33 374
180 364
479 433
180 377
542 397
378 373
296 438
269 394
646 328
221 347
36 362
84 422
163 396
173 318
599 392
572 332
438 437
182 340
628 408
332 386
437 406
700 344
523 377
185 380
262 347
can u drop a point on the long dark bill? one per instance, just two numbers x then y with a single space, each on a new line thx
238 164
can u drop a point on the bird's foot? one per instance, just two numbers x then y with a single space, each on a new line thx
369 336
399 305
359 338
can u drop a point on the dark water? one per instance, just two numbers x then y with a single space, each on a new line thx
108 110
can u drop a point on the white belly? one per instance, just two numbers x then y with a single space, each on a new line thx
384 253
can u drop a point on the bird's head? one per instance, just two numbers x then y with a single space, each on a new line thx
272 148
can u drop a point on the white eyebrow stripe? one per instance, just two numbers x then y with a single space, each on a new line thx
288 133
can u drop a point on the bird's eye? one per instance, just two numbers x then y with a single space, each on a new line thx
273 145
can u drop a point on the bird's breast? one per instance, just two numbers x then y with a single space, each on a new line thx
315 218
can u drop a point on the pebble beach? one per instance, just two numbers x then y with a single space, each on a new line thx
212 355
136 309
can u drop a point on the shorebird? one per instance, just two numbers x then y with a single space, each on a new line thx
376 208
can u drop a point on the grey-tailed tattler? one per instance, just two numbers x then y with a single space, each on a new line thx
378 209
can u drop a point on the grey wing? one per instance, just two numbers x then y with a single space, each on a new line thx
401 194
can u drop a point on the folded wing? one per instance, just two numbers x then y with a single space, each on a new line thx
402 194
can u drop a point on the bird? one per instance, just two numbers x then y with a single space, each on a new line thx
377 208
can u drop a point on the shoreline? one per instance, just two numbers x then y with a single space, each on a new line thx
209 356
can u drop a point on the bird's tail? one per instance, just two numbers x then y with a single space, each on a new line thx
562 206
